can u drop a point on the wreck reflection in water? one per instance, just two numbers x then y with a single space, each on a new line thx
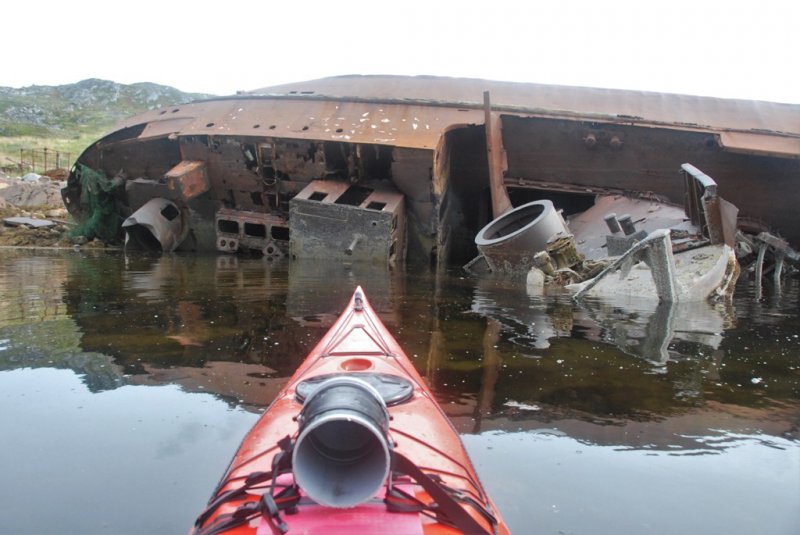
129 381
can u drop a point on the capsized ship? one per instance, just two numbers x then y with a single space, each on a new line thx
385 168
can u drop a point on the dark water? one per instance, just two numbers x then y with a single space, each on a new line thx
126 385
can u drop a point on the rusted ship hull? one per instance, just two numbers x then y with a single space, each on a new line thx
235 167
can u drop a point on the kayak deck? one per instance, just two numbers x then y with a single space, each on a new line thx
420 434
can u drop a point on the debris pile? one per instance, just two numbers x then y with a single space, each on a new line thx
32 212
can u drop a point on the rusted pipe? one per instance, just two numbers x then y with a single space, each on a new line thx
349 250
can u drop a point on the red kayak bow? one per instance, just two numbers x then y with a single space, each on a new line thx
354 443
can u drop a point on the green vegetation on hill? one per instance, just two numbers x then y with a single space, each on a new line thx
68 118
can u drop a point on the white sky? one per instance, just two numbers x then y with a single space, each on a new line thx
731 49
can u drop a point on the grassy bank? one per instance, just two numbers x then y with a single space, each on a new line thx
69 147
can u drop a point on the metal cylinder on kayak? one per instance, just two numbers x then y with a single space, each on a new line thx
341 457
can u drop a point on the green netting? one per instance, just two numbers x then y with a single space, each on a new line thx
98 206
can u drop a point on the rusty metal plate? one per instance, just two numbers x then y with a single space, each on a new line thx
633 106
414 111
760 144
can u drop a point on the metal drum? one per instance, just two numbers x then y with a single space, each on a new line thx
510 242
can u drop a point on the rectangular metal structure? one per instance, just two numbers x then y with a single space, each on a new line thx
188 179
240 230
332 219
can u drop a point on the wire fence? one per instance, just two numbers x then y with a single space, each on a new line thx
43 160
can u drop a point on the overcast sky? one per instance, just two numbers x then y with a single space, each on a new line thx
731 49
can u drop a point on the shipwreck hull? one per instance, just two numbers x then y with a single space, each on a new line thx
424 138
764 187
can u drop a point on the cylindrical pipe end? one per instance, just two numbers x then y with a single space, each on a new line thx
628 227
352 246
613 224
341 457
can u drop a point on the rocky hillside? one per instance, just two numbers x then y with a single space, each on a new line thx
88 106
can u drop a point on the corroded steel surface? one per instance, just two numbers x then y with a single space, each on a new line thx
633 106
400 125
429 138
189 179
335 220
159 218
416 110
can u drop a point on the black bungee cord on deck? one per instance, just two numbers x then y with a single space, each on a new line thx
446 507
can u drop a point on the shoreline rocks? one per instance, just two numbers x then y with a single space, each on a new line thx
38 199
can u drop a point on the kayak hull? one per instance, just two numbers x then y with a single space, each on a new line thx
358 345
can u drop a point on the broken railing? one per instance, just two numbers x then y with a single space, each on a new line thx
714 216
717 220
43 160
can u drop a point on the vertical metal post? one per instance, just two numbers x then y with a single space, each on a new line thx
780 256
495 157
658 256
45 160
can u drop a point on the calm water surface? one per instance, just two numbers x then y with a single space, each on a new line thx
126 385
